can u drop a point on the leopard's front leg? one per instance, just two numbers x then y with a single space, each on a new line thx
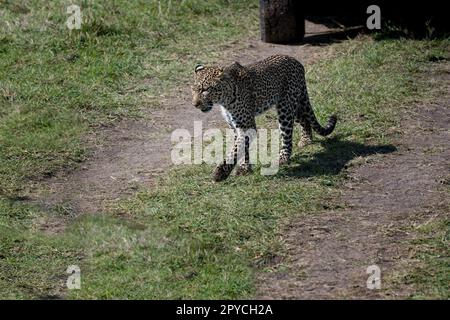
240 152
244 166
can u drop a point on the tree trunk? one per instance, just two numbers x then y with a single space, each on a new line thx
281 21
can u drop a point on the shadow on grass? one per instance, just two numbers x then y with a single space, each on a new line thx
332 159
327 38
417 25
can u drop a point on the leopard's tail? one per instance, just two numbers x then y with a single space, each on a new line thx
323 131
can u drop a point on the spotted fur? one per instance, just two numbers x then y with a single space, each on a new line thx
243 92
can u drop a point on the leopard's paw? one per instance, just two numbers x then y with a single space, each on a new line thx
244 169
304 142
284 159
220 173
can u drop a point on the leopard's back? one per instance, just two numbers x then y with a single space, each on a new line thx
274 77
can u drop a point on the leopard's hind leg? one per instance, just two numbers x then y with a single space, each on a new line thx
303 108
306 137
285 123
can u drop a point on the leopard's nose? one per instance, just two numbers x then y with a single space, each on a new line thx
196 103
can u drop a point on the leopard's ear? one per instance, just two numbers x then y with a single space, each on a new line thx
232 70
199 67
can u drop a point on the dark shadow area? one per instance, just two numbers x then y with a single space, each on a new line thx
396 30
335 157
335 20
326 38
398 18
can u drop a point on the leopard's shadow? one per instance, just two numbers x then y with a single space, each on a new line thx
335 156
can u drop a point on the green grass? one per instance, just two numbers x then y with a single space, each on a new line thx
436 262
431 276
32 264
212 239
188 237
56 85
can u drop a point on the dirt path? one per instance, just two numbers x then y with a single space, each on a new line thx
328 253
134 152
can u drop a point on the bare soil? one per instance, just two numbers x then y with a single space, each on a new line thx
133 152
328 253
383 199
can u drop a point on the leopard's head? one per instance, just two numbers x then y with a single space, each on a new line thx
213 85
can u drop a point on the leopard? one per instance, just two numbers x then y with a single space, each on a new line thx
243 92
